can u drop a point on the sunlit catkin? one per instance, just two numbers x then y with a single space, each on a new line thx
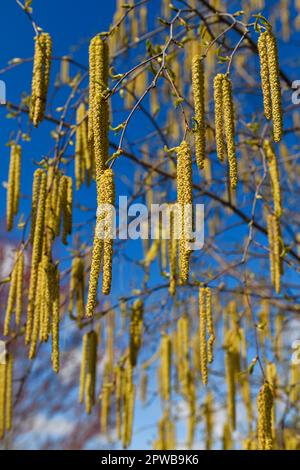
90 381
83 370
229 129
274 174
36 253
274 78
13 185
208 413
166 357
231 387
210 326
219 112
172 252
77 287
40 78
55 318
9 392
184 207
19 287
202 333
275 250
66 205
136 330
109 191
264 74
2 398
199 104
264 420
11 298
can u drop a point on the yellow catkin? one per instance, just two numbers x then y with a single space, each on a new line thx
9 392
35 328
136 330
98 105
143 385
67 205
198 92
202 333
275 250
35 198
105 403
11 298
83 370
271 246
109 191
182 348
129 400
227 437
184 201
2 399
231 387
19 287
77 287
119 382
40 78
264 420
219 111
46 298
274 174
55 319
13 185
210 326
208 413
83 163
166 357
91 371
274 78
228 110
264 74
36 253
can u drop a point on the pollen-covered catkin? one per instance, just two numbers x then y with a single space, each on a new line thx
136 330
98 104
219 123
274 78
40 78
90 383
37 318
229 129
83 370
109 191
275 250
199 104
77 287
202 333
2 399
231 387
36 253
172 251
264 421
264 74
35 198
13 185
274 174
67 204
9 392
19 287
185 207
165 366
55 318
11 298
210 326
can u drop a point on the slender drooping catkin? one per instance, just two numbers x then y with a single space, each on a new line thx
80 157
231 387
13 185
77 287
274 174
136 330
129 400
11 297
66 205
165 366
208 413
55 319
40 77
274 78
172 251
90 384
98 105
219 111
275 250
185 207
264 74
9 392
210 326
35 199
229 128
19 287
109 190
199 104
83 370
35 329
202 333
264 420
36 253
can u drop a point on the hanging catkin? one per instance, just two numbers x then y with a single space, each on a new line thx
129 400
208 413
83 370
82 158
36 253
6 394
165 366
55 318
275 249
274 174
67 204
2 398
90 384
210 326
202 333
199 92
219 124
37 312
15 294
77 287
136 330
13 185
264 420
172 251
228 110
264 74
109 190
40 78
185 207
98 104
